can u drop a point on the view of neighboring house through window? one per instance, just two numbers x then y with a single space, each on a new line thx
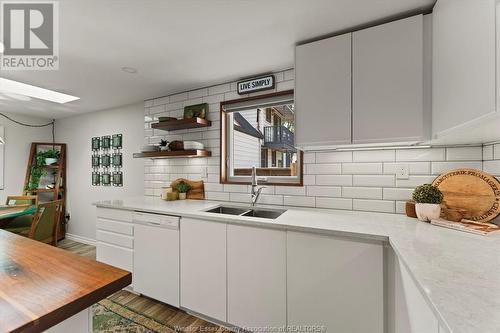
262 136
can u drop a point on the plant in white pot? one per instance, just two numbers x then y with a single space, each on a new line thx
428 200
182 188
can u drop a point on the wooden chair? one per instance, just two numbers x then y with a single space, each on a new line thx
21 222
44 225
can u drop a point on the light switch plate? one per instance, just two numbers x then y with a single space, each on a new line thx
402 171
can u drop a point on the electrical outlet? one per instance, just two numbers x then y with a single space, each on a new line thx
402 171
204 172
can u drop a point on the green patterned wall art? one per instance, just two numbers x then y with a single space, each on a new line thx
107 160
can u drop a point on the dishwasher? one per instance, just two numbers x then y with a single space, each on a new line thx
156 256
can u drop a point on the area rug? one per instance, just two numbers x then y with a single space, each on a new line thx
111 317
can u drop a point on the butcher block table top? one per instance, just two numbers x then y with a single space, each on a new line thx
41 285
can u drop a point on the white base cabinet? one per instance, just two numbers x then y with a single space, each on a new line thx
335 282
256 277
115 238
408 311
203 267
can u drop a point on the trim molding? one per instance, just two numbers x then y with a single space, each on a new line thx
81 239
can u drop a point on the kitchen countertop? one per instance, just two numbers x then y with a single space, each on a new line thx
41 285
457 272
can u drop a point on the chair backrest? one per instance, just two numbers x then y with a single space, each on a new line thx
46 222
17 200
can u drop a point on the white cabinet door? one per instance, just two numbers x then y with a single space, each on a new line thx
256 277
323 92
408 311
336 282
387 86
156 263
463 62
203 267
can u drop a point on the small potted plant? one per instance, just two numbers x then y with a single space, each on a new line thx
50 156
163 145
182 188
427 202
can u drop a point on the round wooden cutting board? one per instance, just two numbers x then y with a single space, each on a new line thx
472 190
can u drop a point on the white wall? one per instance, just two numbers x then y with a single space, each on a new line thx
77 132
18 141
246 150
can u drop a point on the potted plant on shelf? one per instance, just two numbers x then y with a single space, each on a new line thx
50 156
163 145
182 188
428 200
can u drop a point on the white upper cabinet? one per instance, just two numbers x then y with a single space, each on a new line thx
464 69
388 83
323 92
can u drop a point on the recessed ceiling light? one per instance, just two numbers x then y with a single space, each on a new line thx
130 70
19 88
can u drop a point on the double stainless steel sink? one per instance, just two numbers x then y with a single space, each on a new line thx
250 212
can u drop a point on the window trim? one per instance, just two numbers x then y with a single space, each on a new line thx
224 174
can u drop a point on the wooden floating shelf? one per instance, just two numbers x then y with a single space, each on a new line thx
174 154
179 124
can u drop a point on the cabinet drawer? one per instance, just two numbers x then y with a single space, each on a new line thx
115 256
115 226
116 239
115 214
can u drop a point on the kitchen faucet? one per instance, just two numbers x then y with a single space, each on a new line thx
255 188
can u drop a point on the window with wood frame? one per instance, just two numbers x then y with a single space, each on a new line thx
260 131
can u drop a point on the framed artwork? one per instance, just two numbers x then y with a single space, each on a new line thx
106 178
95 161
106 154
117 141
198 110
117 160
106 142
96 143
117 178
106 160
96 179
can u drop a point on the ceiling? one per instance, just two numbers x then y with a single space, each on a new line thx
177 45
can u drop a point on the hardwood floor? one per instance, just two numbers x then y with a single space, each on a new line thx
162 313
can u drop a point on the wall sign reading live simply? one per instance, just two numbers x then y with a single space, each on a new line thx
256 84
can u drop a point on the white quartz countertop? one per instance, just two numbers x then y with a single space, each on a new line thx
459 273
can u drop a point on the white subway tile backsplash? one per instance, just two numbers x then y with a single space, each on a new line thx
374 156
322 169
441 167
414 181
428 154
235 188
487 152
334 203
492 167
340 180
291 190
359 179
464 153
378 181
220 196
362 192
374 205
334 157
324 191
397 193
362 168
496 151
301 201
415 168
309 158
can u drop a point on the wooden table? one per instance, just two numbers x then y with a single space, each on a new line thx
8 212
41 285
